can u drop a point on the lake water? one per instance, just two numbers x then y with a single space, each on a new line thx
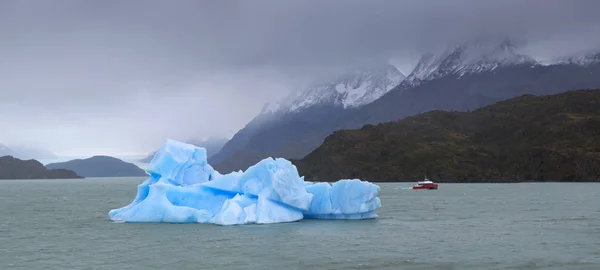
62 224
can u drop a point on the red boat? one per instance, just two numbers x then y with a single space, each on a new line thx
425 184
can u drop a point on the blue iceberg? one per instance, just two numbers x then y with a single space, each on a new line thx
184 188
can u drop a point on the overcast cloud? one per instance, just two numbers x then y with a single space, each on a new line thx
114 77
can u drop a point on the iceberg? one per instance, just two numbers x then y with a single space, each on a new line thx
183 188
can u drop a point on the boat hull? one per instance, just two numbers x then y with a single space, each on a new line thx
427 187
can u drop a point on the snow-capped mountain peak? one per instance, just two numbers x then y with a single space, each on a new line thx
466 59
580 60
355 88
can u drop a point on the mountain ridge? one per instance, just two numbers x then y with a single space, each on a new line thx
585 59
356 87
540 138
325 102
15 168
458 81
466 59
471 92
99 166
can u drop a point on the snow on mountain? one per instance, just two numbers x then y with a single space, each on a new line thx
270 108
580 60
354 88
466 59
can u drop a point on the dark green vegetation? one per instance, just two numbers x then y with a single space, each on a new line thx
13 168
528 138
100 166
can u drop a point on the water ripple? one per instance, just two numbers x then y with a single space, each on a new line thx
63 225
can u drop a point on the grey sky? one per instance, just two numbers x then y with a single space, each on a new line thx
89 77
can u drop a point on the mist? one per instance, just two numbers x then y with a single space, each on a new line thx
119 77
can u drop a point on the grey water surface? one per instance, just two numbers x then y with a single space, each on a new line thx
62 224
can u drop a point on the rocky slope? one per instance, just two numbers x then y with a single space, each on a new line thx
300 122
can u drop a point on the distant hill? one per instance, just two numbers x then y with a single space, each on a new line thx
528 138
14 168
212 145
99 166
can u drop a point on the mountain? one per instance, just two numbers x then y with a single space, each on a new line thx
14 168
300 122
467 59
539 138
212 145
585 60
460 78
354 88
469 77
99 166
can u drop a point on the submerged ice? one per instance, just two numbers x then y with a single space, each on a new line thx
184 188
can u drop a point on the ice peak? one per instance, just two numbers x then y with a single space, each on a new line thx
473 57
184 188
356 87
